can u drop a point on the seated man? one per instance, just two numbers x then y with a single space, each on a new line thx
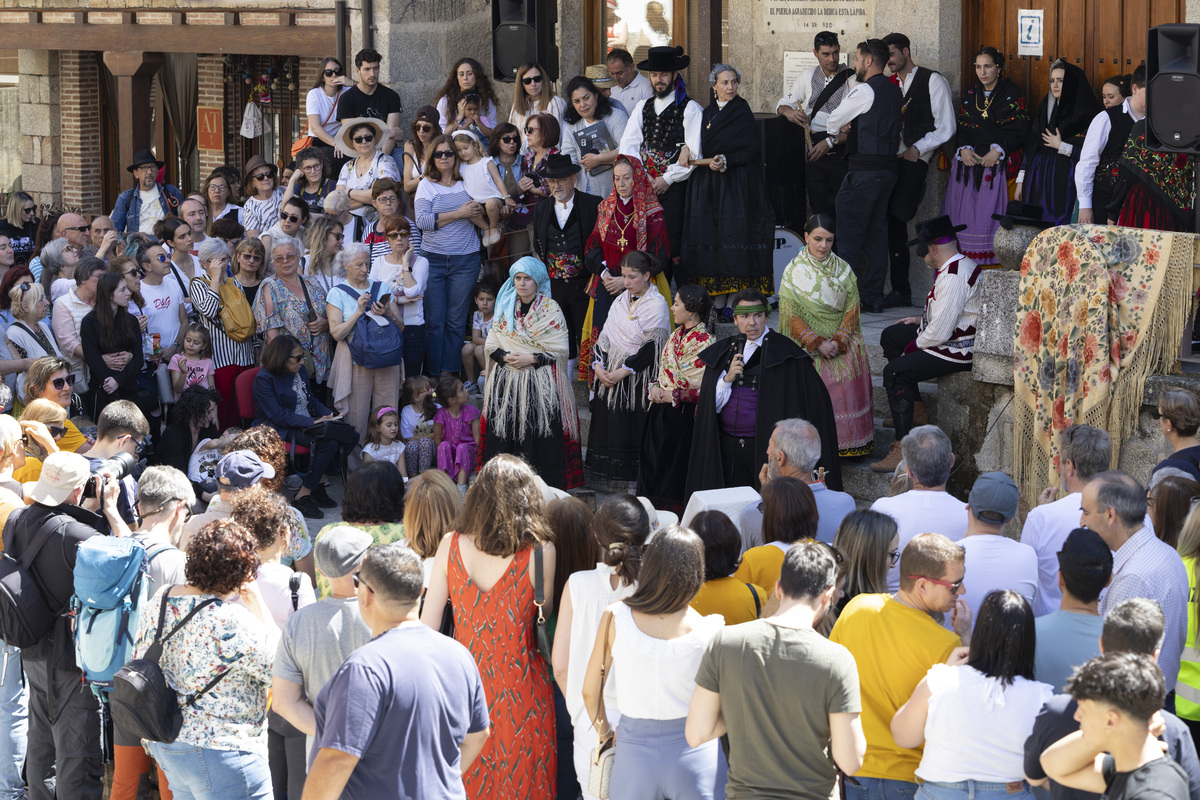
751 381
940 341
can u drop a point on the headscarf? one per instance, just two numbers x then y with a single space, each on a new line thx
506 300
1075 108
645 202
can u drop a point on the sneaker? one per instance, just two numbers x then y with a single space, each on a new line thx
308 507
470 387
890 461
321 497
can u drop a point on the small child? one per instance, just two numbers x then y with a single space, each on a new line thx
416 424
473 358
202 466
470 106
483 182
456 431
194 365
383 431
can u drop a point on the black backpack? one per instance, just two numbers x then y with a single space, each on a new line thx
25 617
141 702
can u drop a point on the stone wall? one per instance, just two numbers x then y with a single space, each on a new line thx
41 122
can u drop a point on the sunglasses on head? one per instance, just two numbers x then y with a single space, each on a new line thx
826 37
366 137
531 79
510 139
329 73
59 383
285 217
443 154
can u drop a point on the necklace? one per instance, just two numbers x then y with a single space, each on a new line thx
622 242
987 104
633 301
720 108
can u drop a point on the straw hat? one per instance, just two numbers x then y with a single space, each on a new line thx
598 74
344 139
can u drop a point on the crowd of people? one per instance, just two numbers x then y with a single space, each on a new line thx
470 628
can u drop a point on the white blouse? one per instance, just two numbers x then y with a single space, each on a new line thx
591 593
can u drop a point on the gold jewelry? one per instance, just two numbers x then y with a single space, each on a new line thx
987 104
622 242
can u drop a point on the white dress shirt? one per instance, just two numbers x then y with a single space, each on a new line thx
563 210
800 95
1089 157
944 123
631 142
857 103
639 89
725 390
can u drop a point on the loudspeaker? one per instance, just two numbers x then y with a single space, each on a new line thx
513 44
1173 88
523 31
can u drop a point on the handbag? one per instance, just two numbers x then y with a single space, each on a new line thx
374 346
604 753
539 600
236 316
306 138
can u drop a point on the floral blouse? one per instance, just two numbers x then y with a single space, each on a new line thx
537 174
291 314
223 636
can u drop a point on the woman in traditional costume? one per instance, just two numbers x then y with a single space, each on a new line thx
1154 190
625 362
529 405
818 310
629 219
667 434
1047 179
729 231
992 127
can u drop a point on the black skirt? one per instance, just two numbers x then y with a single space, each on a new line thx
729 229
615 441
666 444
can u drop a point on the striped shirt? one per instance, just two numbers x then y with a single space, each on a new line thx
225 351
262 214
458 238
951 310
378 242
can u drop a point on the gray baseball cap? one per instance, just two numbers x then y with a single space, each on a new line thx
994 498
341 550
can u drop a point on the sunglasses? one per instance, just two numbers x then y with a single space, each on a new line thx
366 137
59 383
338 236
424 128
443 154
954 587
253 259
360 582
510 139
894 557
530 130
162 259
1157 414
141 273
77 228
826 37
531 80
288 217
29 210
329 73
397 235
262 176
57 431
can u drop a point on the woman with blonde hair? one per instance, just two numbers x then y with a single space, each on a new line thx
29 336
486 569
432 503
43 437
532 94
870 544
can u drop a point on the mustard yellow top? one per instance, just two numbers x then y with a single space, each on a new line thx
730 598
761 566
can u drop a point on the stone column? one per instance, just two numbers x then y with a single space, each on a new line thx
134 72
38 92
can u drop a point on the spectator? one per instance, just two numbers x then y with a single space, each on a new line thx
120 429
1187 699
112 347
287 302
12 457
313 180
1135 626
424 128
194 211
620 527
220 196
63 756
320 109
249 268
388 200
533 94
870 543
542 135
793 452
221 750
68 314
1070 636
29 337
368 98
973 712
12 277
1084 453
193 419
237 470
44 423
467 76
632 86
928 460
14 696
8 258
995 561
176 235
406 272
432 502
58 260
1168 501
649 647
323 241
263 195
69 226
502 525
365 141
1114 506
1178 417
737 693
789 514
722 593
230 358
895 639
589 106
137 209
358 723
374 503
166 304
20 225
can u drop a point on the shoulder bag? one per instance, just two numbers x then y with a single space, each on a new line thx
237 318
374 346
306 138
603 754
539 600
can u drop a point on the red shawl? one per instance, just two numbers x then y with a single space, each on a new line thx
651 234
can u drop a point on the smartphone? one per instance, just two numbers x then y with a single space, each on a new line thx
385 299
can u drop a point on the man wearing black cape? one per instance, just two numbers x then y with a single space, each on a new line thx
751 381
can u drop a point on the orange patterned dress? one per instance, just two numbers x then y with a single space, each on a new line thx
518 760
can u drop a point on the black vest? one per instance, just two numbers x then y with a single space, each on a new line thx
663 131
917 111
565 241
874 136
1118 135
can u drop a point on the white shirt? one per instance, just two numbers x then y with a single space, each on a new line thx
639 89
944 123
996 562
922 511
591 593
162 309
725 390
631 142
410 298
316 102
801 93
857 103
563 210
1046 529
1089 156
151 211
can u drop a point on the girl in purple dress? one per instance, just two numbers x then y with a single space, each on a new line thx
455 431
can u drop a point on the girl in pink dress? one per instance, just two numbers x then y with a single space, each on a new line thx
455 431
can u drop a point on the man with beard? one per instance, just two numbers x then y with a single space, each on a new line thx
370 98
137 209
751 381
658 130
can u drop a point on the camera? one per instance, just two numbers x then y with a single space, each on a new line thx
119 467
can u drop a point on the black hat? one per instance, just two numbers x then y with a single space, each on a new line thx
933 229
142 157
559 165
1019 213
664 59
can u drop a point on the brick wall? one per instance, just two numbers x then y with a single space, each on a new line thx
79 104
210 94
38 91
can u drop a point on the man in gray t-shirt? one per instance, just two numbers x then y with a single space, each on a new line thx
746 687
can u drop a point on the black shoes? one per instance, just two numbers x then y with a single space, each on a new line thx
896 300
308 507
872 308
321 497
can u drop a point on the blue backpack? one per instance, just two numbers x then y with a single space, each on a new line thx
374 346
111 587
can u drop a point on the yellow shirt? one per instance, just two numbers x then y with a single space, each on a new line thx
72 440
894 646
761 566
30 472
730 598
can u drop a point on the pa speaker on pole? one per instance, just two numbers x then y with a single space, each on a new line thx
1173 88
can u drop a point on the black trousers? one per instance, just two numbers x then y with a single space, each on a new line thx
64 758
904 372
572 297
823 180
738 457
906 197
862 228
674 202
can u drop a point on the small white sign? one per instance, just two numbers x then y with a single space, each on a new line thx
1030 32
794 63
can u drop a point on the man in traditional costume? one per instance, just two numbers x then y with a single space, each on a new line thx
1098 168
751 381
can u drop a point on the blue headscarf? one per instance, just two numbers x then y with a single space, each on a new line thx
506 301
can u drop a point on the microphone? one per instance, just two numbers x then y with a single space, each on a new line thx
738 346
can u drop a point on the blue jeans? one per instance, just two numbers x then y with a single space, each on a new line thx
447 300
198 773
974 790
414 350
14 723
879 789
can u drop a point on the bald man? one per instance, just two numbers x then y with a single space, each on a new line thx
195 215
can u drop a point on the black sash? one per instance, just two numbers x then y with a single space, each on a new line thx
838 81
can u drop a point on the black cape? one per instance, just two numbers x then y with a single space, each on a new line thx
796 390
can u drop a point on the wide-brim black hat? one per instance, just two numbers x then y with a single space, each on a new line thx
142 157
664 59
1019 213
560 166
931 230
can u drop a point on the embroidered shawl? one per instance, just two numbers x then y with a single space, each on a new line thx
1006 124
645 203
680 370
1168 176
630 324
824 295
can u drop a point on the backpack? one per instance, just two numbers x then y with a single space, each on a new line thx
25 616
236 316
141 702
374 346
111 588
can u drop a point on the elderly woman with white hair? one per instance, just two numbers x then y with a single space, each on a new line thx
288 302
230 356
368 376
58 257
29 336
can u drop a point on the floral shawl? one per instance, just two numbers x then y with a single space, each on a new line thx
630 324
1168 176
823 294
1100 308
680 370
645 203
